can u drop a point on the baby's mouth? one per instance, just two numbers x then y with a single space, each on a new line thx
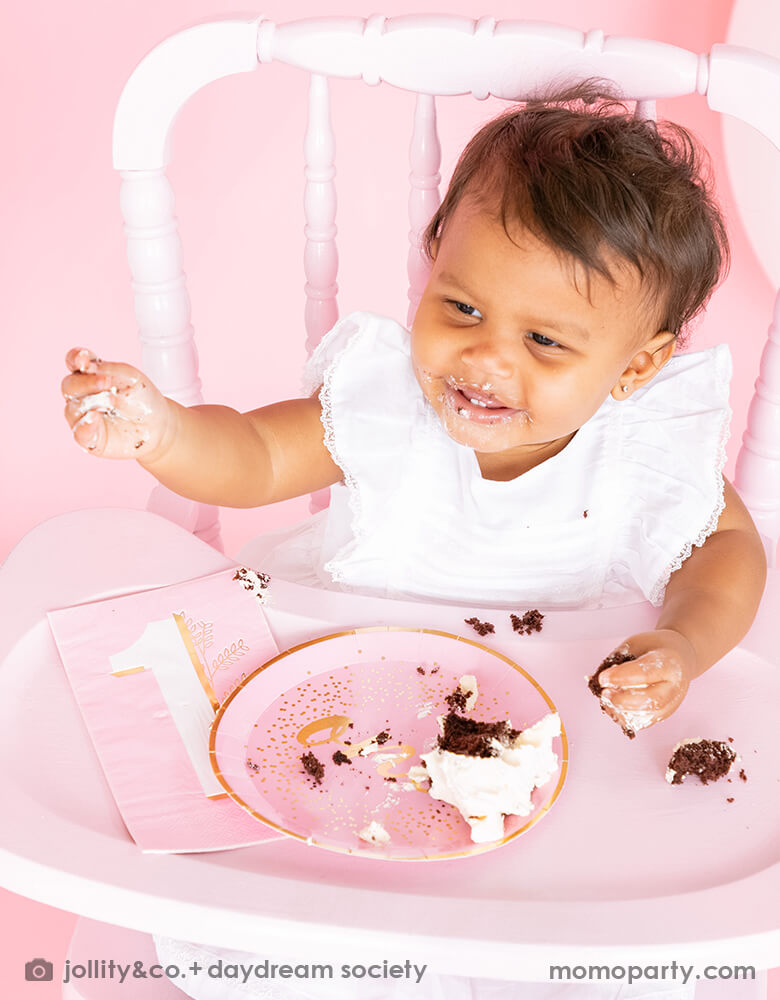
474 403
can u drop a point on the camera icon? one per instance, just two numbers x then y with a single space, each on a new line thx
38 970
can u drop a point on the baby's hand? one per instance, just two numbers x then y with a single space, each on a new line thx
647 689
114 410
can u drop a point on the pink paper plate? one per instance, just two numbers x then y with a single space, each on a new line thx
337 693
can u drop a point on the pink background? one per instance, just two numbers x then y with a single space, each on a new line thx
237 173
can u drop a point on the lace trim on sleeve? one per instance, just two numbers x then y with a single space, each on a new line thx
656 597
319 361
353 487
318 369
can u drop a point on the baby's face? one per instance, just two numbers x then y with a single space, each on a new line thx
510 354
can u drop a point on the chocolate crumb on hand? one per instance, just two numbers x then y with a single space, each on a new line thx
481 628
611 661
313 767
530 622
595 686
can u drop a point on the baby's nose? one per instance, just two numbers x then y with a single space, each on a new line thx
491 356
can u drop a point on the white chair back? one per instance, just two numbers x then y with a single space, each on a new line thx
431 55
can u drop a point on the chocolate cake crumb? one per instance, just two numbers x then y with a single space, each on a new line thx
245 576
481 628
472 738
595 687
742 774
457 700
611 661
729 800
435 670
421 671
530 622
730 739
382 737
584 513
339 757
708 759
313 767
391 779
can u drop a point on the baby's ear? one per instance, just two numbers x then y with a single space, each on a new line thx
647 362
661 348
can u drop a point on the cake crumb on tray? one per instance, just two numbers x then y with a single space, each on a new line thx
527 623
709 760
481 628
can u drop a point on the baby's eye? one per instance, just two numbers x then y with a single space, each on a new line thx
539 338
466 309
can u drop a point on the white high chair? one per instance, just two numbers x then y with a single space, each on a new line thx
63 842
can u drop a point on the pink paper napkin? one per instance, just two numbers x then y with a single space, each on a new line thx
148 671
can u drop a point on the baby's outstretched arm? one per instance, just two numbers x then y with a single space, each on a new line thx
211 454
710 604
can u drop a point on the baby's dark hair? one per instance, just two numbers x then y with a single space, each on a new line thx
593 180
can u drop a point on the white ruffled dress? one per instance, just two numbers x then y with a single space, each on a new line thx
604 522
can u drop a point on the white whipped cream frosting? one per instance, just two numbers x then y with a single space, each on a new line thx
485 789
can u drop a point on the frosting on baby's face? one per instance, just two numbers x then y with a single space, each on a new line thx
515 350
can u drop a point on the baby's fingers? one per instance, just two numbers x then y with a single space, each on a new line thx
90 432
113 410
81 359
109 435
637 709
653 698
650 668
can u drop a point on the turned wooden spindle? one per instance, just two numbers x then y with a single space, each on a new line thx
162 309
646 109
320 256
758 463
424 197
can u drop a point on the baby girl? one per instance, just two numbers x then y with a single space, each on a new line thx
533 440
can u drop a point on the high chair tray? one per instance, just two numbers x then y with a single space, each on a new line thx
625 869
